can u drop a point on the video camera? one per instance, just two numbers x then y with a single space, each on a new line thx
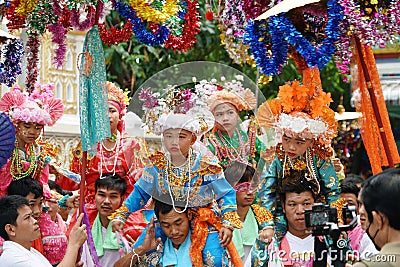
323 221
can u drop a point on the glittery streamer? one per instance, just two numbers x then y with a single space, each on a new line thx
190 29
157 15
11 67
32 55
151 38
115 36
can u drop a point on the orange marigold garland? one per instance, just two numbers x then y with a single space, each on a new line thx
189 30
115 36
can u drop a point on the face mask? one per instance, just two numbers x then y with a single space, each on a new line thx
373 237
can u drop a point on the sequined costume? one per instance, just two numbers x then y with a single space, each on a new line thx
206 183
242 146
126 164
33 162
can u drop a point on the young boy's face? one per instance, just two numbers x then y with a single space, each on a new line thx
295 147
245 194
178 142
226 117
351 200
36 205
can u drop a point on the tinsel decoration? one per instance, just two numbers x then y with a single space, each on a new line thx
115 36
158 14
268 48
25 7
152 38
90 17
58 37
190 29
10 67
32 55
15 22
41 16
253 8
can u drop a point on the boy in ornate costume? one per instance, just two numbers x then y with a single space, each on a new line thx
253 217
184 176
305 126
115 155
31 156
227 140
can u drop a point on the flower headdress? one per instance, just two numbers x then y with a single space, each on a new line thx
117 97
300 110
180 109
227 91
40 107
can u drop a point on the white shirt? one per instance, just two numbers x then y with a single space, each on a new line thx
16 255
110 256
367 248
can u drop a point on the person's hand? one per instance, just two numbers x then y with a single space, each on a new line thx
266 235
225 236
130 240
78 233
150 242
117 225
72 202
79 264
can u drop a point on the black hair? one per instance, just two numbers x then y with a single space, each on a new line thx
110 181
164 208
9 206
350 188
23 187
353 178
381 192
238 169
297 182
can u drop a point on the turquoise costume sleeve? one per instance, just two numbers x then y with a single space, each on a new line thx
137 199
268 194
328 180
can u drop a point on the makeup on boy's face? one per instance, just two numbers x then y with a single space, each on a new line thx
226 117
28 132
295 147
178 141
114 116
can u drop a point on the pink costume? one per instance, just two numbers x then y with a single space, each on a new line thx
40 108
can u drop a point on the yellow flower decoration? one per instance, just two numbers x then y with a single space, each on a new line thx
25 7
148 13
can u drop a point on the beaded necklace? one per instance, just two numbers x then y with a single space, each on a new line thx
116 146
226 151
17 168
177 181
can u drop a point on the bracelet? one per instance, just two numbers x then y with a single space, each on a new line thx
133 256
230 227
267 227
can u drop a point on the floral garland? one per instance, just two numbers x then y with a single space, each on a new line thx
144 36
257 36
113 35
148 13
11 67
190 29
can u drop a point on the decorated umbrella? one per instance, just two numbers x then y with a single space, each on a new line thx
7 138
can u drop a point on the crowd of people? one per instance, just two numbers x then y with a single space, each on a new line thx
214 195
